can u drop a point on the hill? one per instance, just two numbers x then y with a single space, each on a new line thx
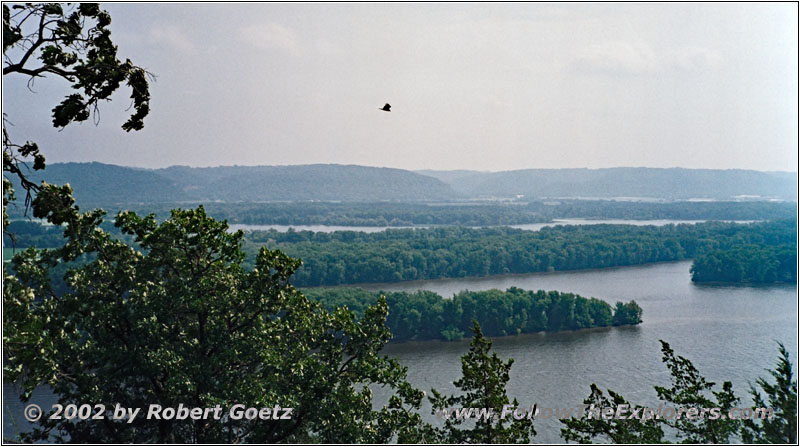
308 182
654 183
94 183
98 183
104 184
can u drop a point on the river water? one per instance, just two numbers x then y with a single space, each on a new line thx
728 333
532 227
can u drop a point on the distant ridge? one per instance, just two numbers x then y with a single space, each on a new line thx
105 183
661 183
98 183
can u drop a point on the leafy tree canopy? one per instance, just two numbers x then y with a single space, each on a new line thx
71 42
175 319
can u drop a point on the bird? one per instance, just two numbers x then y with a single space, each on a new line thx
385 108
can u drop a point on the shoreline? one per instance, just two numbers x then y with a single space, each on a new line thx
375 286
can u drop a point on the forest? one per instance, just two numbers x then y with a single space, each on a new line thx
453 252
748 264
425 315
466 213
760 252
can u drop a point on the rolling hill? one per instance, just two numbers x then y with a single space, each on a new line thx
101 184
654 183
98 183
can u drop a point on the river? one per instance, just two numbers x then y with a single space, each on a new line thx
531 227
728 333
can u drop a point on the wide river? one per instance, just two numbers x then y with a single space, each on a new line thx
531 227
729 333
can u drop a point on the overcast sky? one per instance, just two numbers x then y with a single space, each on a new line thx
472 86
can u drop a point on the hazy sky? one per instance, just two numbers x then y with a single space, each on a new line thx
472 86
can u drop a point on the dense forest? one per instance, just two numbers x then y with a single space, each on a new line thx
451 252
724 252
487 213
465 213
750 264
29 233
610 209
425 315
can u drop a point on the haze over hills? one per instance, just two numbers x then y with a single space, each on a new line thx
671 183
104 183
97 183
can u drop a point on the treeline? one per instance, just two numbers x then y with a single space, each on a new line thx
454 252
610 209
751 264
24 233
21 234
425 315
457 213
348 257
486 214
378 214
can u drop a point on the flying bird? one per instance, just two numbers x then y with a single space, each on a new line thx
386 108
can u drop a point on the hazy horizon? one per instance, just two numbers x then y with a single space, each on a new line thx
420 170
482 87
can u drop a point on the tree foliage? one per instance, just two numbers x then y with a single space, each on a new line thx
691 390
749 263
483 381
348 257
712 422
425 315
175 319
73 43
780 396
588 430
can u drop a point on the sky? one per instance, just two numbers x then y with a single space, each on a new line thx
479 86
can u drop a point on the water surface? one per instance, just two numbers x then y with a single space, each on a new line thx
728 333
532 227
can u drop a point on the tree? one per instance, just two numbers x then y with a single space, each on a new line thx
629 313
483 381
713 422
586 429
782 397
175 319
690 390
71 42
